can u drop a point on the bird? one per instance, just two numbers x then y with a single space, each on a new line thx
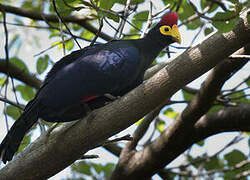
78 82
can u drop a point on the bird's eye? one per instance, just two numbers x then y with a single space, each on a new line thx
165 30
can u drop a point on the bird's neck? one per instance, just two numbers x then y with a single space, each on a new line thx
151 45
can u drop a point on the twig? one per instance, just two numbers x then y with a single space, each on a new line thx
99 31
52 46
196 35
245 57
162 10
202 15
149 21
19 106
123 138
59 16
7 66
122 24
93 156
235 140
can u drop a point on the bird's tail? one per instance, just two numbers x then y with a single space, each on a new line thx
17 132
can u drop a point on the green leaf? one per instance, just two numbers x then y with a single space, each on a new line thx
108 168
214 109
140 18
239 97
161 126
13 111
82 167
98 168
205 3
69 45
224 22
132 2
170 113
113 17
25 142
62 8
200 143
194 24
19 63
187 96
3 81
207 31
42 64
248 82
87 34
248 18
185 10
26 91
107 4
214 163
234 157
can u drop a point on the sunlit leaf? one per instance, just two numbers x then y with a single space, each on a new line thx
3 81
170 113
161 126
26 91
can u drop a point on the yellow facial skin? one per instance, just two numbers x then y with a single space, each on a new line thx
174 32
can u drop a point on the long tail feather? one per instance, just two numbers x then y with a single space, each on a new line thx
17 132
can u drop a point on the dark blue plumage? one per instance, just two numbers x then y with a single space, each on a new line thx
85 76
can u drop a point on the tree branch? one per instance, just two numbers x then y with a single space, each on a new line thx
20 74
165 148
35 162
80 20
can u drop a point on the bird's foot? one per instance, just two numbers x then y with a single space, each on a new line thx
48 132
111 97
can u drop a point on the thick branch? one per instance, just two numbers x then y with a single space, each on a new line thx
20 74
226 120
81 20
48 155
166 148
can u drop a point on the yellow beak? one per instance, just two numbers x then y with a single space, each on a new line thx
176 34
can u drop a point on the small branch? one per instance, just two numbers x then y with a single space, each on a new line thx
61 19
242 57
93 156
20 75
123 21
149 21
81 20
123 138
19 106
